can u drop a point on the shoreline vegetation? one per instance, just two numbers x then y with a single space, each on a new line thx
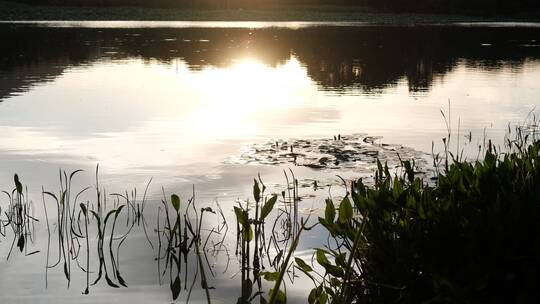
469 236
15 11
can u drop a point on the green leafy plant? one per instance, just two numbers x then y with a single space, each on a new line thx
469 237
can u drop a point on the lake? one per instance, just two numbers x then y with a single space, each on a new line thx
209 104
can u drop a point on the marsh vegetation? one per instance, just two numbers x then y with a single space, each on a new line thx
467 234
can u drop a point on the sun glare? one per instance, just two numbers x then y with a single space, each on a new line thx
243 92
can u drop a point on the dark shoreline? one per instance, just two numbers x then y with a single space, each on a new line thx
11 11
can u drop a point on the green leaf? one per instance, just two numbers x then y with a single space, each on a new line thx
270 276
340 259
313 295
323 298
268 206
256 191
330 211
240 216
247 234
305 267
175 201
317 296
335 283
280 298
334 270
321 258
345 211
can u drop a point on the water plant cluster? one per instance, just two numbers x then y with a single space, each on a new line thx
469 234
18 217
472 237
86 232
358 152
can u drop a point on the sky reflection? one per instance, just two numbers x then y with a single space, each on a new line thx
177 103
135 113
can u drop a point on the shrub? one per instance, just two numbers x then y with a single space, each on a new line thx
471 237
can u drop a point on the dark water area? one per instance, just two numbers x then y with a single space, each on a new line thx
340 59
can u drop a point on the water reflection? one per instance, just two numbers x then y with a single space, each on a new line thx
96 241
342 59
178 102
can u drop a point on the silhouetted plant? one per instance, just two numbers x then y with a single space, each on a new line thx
470 237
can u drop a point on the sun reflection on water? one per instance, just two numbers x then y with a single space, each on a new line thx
241 93
135 114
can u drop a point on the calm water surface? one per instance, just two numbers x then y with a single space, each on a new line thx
176 103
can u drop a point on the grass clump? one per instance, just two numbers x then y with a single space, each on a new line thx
471 237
